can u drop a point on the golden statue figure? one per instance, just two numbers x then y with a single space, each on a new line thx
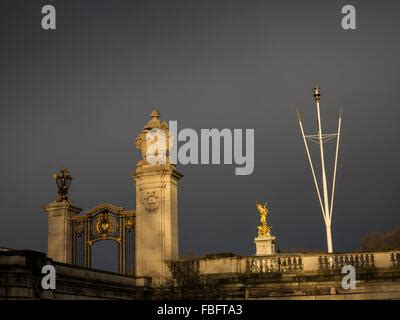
263 228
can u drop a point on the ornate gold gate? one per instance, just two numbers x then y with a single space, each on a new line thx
104 222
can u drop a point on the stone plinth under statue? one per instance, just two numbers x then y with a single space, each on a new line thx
265 245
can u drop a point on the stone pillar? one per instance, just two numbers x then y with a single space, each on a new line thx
265 245
59 234
156 240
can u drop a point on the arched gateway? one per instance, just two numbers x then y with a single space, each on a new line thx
147 237
104 222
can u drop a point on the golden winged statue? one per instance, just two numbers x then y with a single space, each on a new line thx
263 228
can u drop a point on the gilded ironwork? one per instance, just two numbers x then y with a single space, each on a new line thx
263 229
104 222
79 229
129 224
63 180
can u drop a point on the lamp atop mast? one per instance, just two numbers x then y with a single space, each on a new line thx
317 93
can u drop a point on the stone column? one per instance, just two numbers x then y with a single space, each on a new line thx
156 240
59 234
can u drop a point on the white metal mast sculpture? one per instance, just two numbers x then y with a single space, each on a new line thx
320 138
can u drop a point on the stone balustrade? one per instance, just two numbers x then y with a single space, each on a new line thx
298 262
274 264
338 261
395 258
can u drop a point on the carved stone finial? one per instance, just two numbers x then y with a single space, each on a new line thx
154 121
144 140
155 114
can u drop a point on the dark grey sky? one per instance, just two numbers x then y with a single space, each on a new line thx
78 96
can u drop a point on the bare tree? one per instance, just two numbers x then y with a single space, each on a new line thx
186 282
375 241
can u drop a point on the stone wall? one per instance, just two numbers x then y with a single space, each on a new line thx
20 278
283 276
298 276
